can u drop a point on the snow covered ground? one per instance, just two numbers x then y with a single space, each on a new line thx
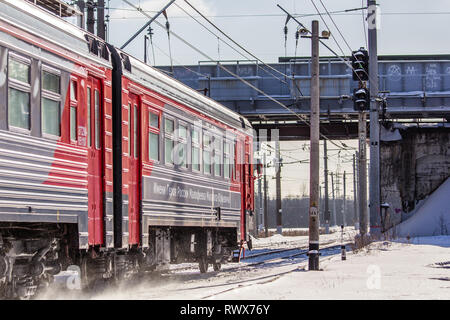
386 270
416 268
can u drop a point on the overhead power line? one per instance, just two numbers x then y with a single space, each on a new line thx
300 116
263 15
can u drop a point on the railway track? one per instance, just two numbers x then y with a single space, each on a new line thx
327 252
300 251
279 251
255 269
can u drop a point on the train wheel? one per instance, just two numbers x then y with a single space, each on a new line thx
217 266
203 264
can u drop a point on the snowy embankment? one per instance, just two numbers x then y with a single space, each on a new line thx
431 218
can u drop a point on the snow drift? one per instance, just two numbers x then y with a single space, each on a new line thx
431 219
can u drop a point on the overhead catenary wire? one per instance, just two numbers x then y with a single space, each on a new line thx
263 15
230 46
320 40
233 41
346 42
300 116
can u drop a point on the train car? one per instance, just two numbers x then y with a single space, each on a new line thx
55 164
187 183
107 163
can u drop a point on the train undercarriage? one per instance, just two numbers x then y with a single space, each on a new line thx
31 254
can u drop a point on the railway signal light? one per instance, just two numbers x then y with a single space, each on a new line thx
361 99
360 65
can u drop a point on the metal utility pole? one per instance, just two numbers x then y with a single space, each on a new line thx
278 187
362 174
146 25
355 195
374 191
344 204
266 224
327 209
90 16
259 202
145 48
259 220
338 189
314 178
101 19
81 4
334 200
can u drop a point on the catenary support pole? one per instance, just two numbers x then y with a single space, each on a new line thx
344 203
313 253
355 195
334 199
362 174
81 5
278 187
90 22
327 208
374 178
266 224
146 25
101 31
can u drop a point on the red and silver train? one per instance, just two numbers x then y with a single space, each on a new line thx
107 163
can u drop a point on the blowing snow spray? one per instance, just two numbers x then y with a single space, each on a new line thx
343 256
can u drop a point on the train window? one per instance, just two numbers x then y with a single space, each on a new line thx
97 118
129 129
50 81
73 110
135 131
226 160
182 132
168 126
51 117
88 103
154 120
206 154
195 150
73 90
217 156
153 136
19 93
168 141
181 149
51 103
19 71
73 123
153 146
233 161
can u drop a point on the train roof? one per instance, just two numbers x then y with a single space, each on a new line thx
158 81
41 23
38 21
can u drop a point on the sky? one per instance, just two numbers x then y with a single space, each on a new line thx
406 27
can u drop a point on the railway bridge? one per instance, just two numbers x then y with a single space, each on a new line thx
417 88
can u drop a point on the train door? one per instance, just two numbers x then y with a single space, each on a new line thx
134 176
248 188
94 126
